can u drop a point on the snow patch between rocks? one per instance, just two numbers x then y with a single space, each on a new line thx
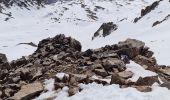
138 71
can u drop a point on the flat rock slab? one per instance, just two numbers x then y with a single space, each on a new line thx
29 91
126 74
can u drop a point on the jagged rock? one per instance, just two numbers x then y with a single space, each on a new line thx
16 79
143 88
116 79
3 62
147 81
73 90
109 64
3 74
147 10
38 74
142 60
88 53
19 62
8 92
0 95
95 66
25 74
167 85
58 86
80 77
28 91
14 86
165 70
62 55
72 80
101 72
126 74
131 47
107 28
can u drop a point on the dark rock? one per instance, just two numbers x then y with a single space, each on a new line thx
88 53
116 79
101 72
131 47
3 62
167 85
73 90
58 86
19 62
109 64
165 70
107 29
142 60
147 10
8 92
147 81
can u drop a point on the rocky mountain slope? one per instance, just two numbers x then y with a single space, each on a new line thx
61 58
94 65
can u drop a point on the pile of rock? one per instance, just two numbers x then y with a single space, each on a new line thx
23 78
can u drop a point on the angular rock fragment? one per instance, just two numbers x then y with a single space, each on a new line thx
143 88
147 81
116 79
126 74
29 91
101 72
109 64
3 62
142 60
167 85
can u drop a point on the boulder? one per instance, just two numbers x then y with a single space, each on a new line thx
131 47
147 81
126 74
167 85
101 72
111 63
165 70
106 29
116 79
73 90
29 91
4 62
142 60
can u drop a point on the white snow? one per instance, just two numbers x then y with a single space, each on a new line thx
49 86
113 92
138 71
61 75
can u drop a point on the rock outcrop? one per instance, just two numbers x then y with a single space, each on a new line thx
105 29
23 78
147 10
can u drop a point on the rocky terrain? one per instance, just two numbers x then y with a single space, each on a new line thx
61 58
83 58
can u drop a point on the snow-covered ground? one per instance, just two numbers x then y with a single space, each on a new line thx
112 92
36 24
95 91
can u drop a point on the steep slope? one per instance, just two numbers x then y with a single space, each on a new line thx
76 18
80 19
156 37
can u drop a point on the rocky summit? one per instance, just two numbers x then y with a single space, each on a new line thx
61 58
